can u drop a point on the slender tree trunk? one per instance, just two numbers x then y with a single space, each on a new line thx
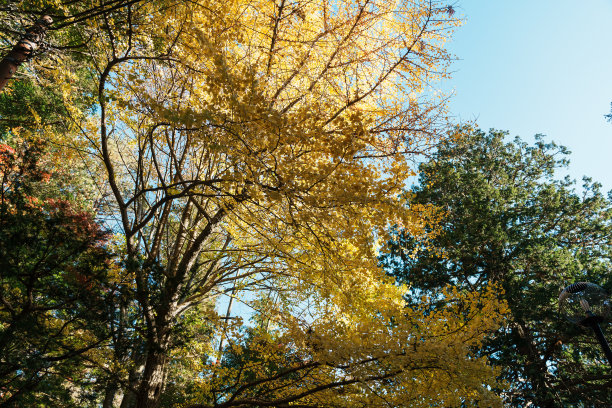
23 50
129 397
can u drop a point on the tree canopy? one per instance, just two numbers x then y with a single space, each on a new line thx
508 218
258 149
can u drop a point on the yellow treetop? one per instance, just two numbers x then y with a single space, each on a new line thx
256 146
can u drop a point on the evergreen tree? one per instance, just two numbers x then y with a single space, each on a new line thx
508 220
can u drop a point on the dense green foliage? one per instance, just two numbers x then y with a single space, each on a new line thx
508 219
53 288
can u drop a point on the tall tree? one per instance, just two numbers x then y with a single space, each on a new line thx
55 261
256 146
53 282
508 219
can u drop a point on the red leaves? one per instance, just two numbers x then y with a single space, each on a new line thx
6 153
75 221
23 171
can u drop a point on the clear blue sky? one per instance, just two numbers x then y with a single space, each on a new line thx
539 66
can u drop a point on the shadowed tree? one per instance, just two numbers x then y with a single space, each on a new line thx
53 285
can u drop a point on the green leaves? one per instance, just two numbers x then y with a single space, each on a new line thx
53 282
509 220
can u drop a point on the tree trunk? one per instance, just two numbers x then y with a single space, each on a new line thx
159 343
21 52
109 397
153 376
128 400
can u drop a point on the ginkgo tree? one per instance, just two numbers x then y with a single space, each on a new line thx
259 147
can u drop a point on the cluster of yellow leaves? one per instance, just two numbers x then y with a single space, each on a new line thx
296 123
385 356
302 108
300 118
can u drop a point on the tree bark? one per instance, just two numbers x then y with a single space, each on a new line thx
128 399
153 377
159 343
23 50
109 397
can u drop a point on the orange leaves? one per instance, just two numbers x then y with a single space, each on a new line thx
6 153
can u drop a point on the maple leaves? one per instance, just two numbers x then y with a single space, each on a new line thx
54 266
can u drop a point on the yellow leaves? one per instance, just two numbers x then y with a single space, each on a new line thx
173 191
426 356
298 94
296 126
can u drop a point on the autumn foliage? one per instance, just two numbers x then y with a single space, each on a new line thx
53 285
259 149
